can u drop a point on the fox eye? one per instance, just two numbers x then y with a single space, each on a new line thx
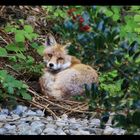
50 55
60 58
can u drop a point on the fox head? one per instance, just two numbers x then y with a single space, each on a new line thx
55 55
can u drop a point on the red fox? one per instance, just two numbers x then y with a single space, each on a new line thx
64 75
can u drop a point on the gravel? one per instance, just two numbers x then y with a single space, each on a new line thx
26 121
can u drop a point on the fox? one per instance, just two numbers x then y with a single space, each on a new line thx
64 75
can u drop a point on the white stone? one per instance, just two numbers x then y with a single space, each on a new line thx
24 129
84 122
75 126
9 127
49 131
3 117
64 117
108 130
15 116
30 113
4 111
49 118
2 131
51 126
74 132
119 131
20 109
1 124
94 123
60 132
72 120
37 127
40 113
82 132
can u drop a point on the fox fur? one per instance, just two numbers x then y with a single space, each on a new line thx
64 75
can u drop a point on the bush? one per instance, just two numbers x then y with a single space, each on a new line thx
100 38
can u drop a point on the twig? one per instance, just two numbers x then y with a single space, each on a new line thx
56 104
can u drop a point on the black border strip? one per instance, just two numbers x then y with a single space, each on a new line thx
69 2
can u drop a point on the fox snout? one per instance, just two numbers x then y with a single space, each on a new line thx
52 66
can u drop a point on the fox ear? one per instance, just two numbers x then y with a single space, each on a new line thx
67 45
50 40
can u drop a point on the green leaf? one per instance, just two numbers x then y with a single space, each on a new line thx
40 50
19 37
12 47
34 45
3 52
10 90
137 18
26 96
116 17
20 55
28 28
108 13
28 36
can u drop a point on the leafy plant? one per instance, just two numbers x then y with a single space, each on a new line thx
12 87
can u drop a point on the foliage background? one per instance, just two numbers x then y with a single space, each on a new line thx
106 38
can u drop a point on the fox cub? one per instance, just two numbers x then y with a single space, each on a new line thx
64 75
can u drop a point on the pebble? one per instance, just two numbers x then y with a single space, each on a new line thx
30 113
4 111
60 122
37 127
27 121
82 132
3 117
60 132
108 130
49 131
40 113
94 123
2 131
20 110
119 131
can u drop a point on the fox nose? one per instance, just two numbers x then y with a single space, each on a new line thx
51 65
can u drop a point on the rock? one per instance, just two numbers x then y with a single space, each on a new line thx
4 111
84 122
40 113
67 131
96 131
24 129
82 132
64 117
9 127
60 122
94 123
75 126
2 131
30 113
20 110
1 124
15 116
37 127
60 132
3 117
49 119
74 132
118 131
51 126
108 130
72 120
49 131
